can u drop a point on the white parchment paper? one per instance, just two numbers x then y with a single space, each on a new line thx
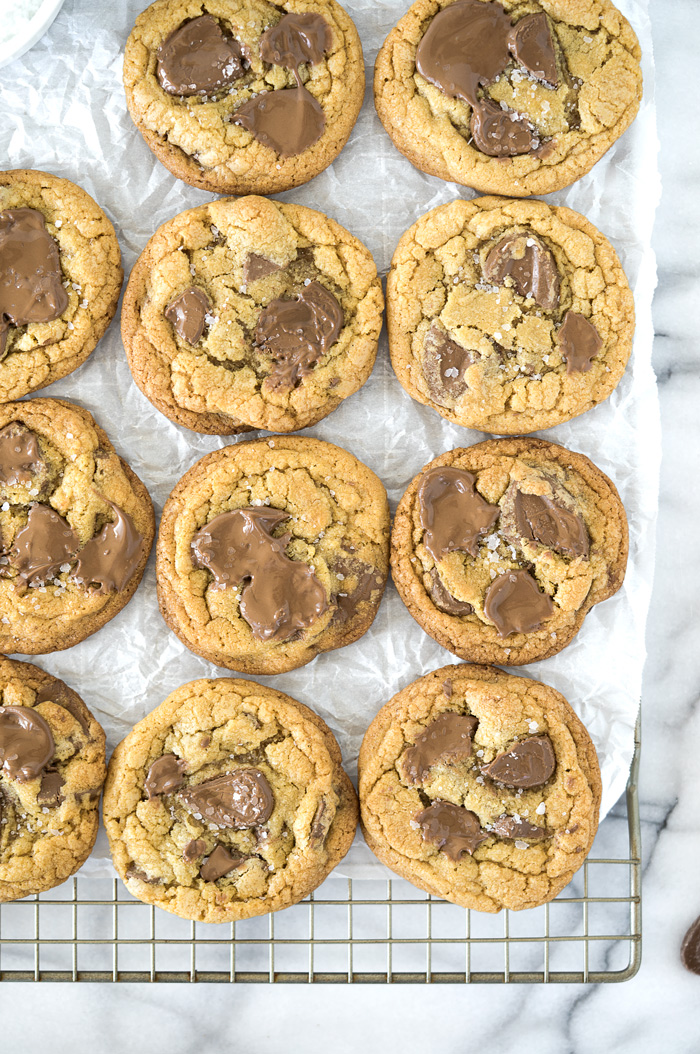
64 112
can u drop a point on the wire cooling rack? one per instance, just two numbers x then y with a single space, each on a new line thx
349 931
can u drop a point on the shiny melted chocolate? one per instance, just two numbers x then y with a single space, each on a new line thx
58 692
529 763
220 863
452 828
466 47
279 595
297 333
257 267
42 548
445 363
524 259
515 604
20 455
26 743
240 799
31 282
198 58
452 513
347 600
579 342
542 520
509 827
188 313
446 741
443 599
165 776
107 562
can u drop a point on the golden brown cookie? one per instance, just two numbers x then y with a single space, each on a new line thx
506 96
52 767
227 801
480 787
271 551
244 96
77 526
60 277
508 316
499 550
251 313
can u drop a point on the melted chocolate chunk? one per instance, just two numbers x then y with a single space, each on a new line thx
320 824
58 692
239 799
134 872
690 948
44 546
193 850
297 333
108 561
542 520
443 599
446 741
49 794
444 364
198 58
31 282
20 455
447 689
220 863
188 312
530 266
26 743
453 515
579 342
257 267
529 763
279 595
466 47
165 776
515 604
509 827
347 601
451 828
296 38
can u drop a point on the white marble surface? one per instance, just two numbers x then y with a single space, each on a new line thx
660 1008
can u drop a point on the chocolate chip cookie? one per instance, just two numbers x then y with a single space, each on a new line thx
251 313
227 801
244 96
508 97
60 277
271 551
499 550
480 788
76 527
52 767
508 316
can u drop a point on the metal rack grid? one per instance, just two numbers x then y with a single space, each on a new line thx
349 931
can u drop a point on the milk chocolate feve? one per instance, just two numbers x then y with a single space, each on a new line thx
542 520
43 547
31 281
452 513
193 850
219 863
108 561
443 599
579 342
452 828
198 58
467 46
446 741
279 595
510 827
368 581
58 692
239 799
297 333
530 265
50 795
26 743
164 776
527 763
690 948
445 363
515 603
188 312
257 267
20 454
296 38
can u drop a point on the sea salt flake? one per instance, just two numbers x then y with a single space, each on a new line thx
519 844
541 809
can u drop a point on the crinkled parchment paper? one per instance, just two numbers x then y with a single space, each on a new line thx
64 112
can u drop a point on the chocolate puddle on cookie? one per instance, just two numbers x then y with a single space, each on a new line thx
467 46
279 596
289 120
297 333
198 58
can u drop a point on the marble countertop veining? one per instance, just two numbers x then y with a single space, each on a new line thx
660 1007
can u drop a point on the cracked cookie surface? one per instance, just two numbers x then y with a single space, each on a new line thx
544 538
228 801
250 259
195 135
90 277
571 121
481 298
271 551
452 829
77 526
52 767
